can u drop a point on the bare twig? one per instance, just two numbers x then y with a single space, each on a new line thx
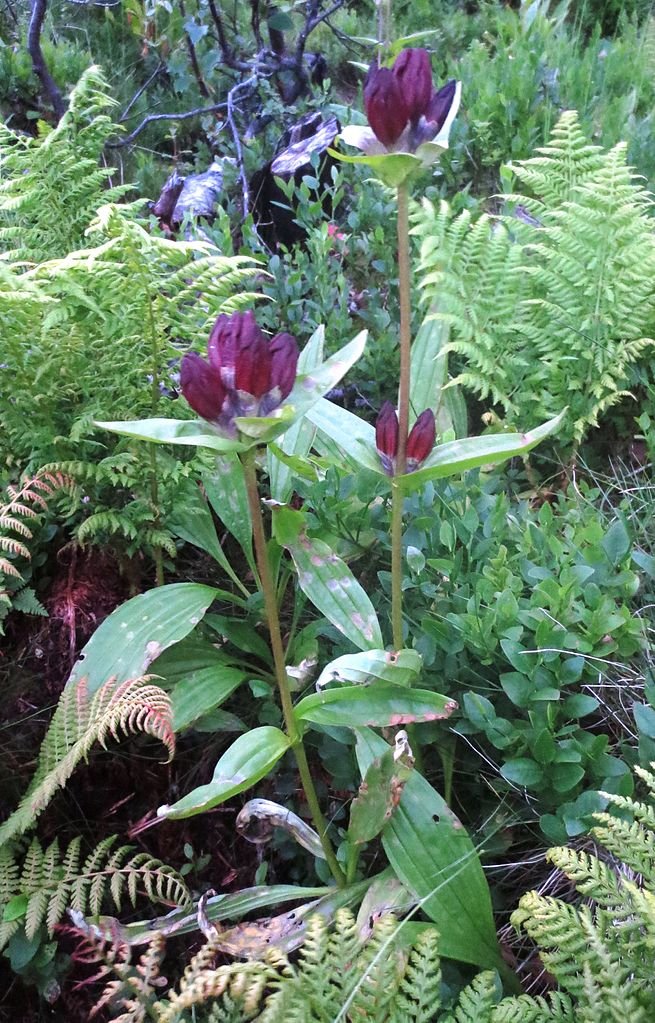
151 118
160 67
226 50
243 177
312 21
39 8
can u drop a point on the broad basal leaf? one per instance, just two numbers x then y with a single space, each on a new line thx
135 634
432 854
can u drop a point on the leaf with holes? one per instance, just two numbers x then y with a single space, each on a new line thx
378 796
380 705
137 632
432 854
247 761
402 667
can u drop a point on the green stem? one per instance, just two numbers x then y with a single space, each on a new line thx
403 416
397 499
397 566
277 648
154 479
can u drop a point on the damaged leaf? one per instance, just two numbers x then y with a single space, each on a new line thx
378 796
401 667
380 705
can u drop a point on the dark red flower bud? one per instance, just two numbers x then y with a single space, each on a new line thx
230 336
413 72
385 105
284 363
201 386
386 437
421 440
253 366
439 106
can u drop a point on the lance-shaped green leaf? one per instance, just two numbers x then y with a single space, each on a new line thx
402 667
247 761
225 487
386 894
379 705
202 691
298 439
328 582
431 852
192 521
378 796
135 634
460 455
429 377
194 432
353 435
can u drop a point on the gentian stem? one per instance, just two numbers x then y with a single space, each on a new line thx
403 416
277 648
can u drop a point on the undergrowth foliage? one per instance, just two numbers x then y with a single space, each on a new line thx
96 332
39 885
53 183
81 721
599 950
550 307
26 503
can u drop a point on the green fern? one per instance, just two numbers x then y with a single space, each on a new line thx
552 307
26 503
53 184
81 722
49 882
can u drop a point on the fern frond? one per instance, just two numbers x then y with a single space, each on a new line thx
52 883
79 723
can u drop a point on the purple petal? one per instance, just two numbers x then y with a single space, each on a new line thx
385 105
413 72
284 363
201 386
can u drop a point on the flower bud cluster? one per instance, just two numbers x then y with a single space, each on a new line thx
403 108
244 375
419 442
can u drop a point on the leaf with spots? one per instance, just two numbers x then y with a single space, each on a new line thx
247 761
433 855
328 582
225 487
137 632
402 667
379 705
379 795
